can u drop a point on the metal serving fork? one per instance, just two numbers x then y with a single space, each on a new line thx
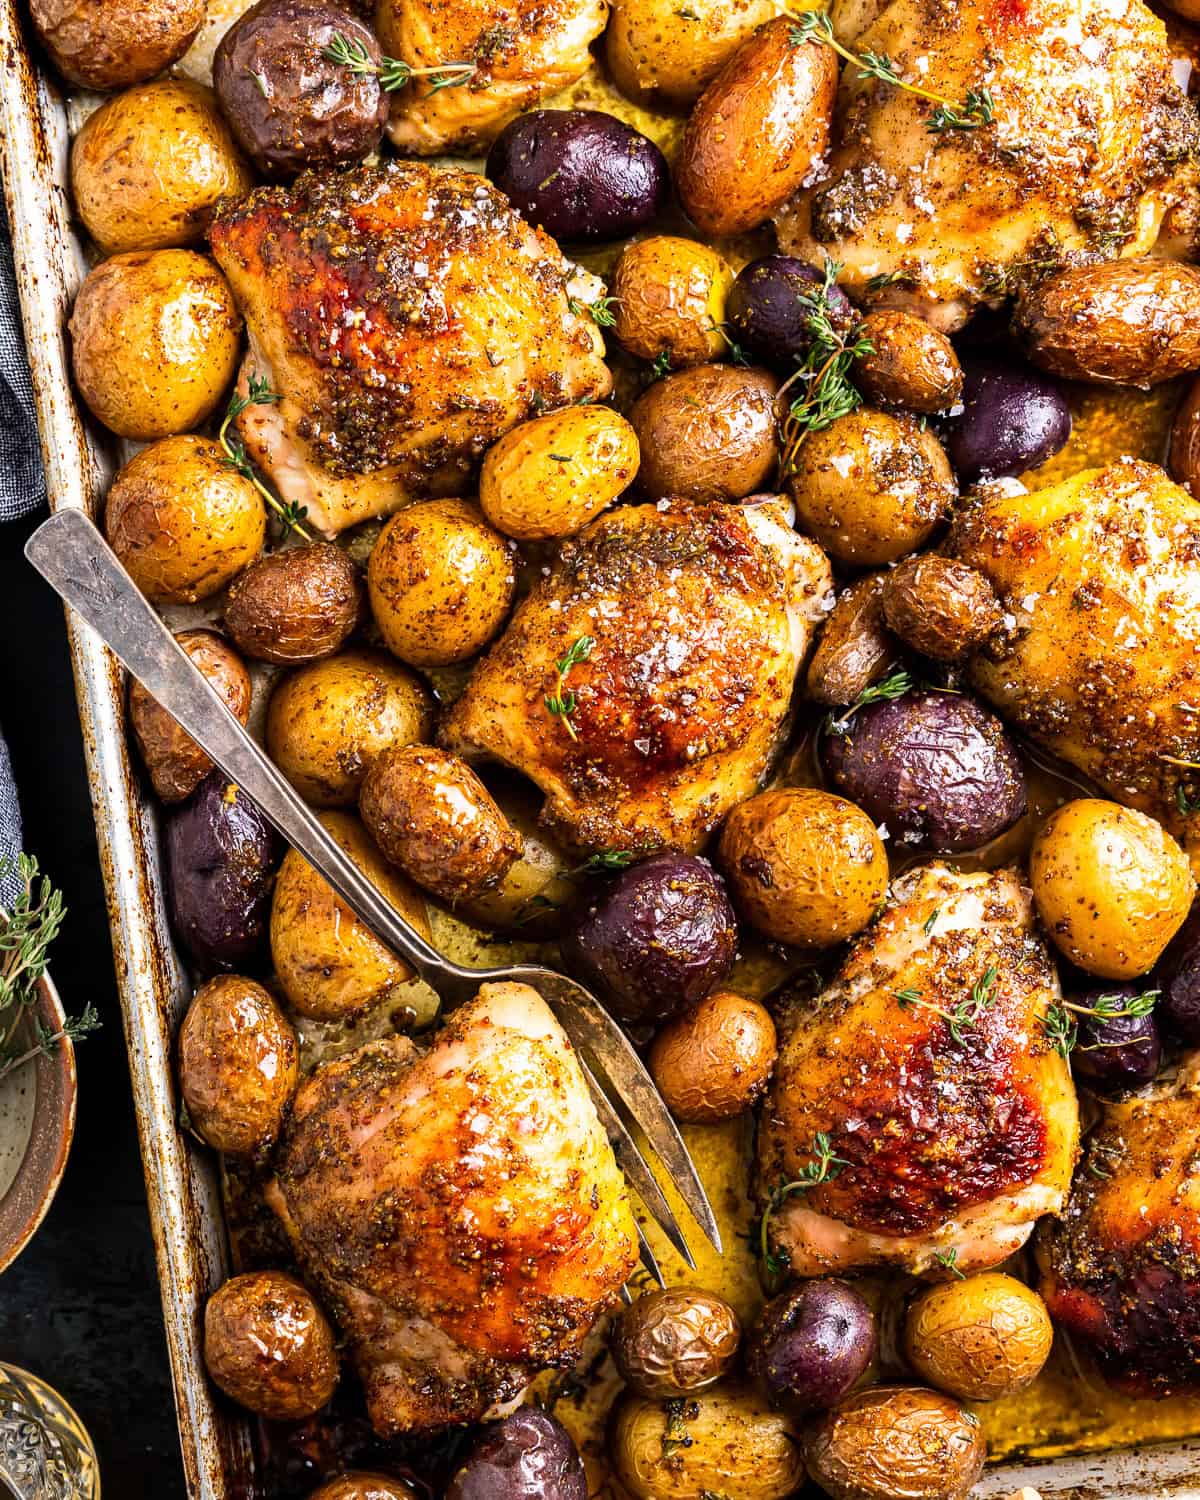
70 553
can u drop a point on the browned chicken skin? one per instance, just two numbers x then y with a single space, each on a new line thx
1121 1270
460 1207
700 617
949 1146
408 317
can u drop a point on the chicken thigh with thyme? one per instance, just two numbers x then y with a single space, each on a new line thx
404 317
1121 1269
1078 140
644 683
951 1121
460 1208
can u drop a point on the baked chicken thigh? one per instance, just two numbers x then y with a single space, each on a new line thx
521 51
1100 579
1121 1270
460 1208
951 1122
406 317
683 626
1087 145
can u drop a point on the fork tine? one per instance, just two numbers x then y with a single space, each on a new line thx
633 1164
626 1295
649 1259
591 1028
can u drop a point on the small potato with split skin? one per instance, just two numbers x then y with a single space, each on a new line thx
707 433
670 296
911 365
714 1061
675 1340
295 606
176 764
940 607
551 476
659 50
854 649
109 44
978 1339
269 1346
434 819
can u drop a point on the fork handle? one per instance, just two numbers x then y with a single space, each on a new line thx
71 555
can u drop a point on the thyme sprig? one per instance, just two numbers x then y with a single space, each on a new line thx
976 109
562 702
895 685
1060 1024
824 1167
948 1259
393 72
258 393
967 1014
26 934
601 311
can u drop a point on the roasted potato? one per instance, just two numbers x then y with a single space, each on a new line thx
109 44
434 819
155 339
327 721
854 648
539 886
441 582
940 607
803 866
1183 458
871 487
269 1346
1111 885
359 1485
660 51
714 1061
757 130
910 364
670 298
551 476
239 1063
183 521
148 167
707 433
328 963
978 1339
894 1442
675 1340
1125 322
296 605
176 764
730 1443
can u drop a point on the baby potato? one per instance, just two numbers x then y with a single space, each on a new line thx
176 764
1111 885
871 487
940 607
670 296
757 130
296 605
269 1346
551 476
910 365
854 648
434 819
978 1339
707 433
328 963
109 44
155 342
659 51
675 1340
441 583
357 1484
239 1062
149 165
538 887
892 1440
804 866
738 1446
714 1061
182 521
327 721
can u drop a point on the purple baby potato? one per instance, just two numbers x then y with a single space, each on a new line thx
580 174
1177 977
769 313
1012 419
660 936
528 1456
1115 1052
221 854
811 1345
937 769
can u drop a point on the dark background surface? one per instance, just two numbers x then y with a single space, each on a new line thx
80 1307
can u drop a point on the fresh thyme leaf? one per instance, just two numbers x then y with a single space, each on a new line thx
258 393
1186 805
824 1167
931 920
907 998
1061 1028
737 355
600 311
661 366
895 685
949 1259
562 702
678 1413
608 859
978 109
890 278
393 72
